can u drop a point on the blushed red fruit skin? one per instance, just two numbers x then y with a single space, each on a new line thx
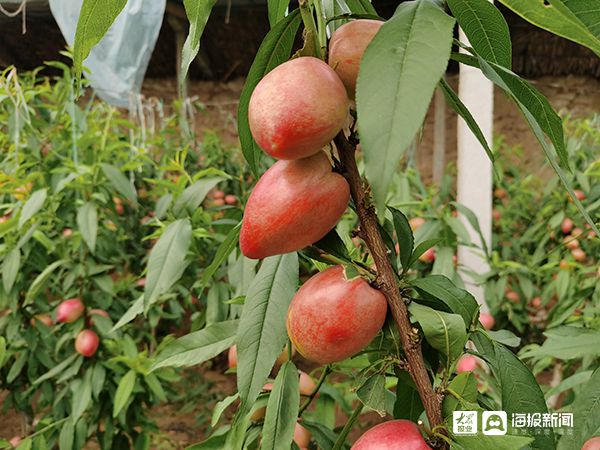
86 343
592 444
301 436
566 226
297 108
467 363
69 310
331 318
306 384
487 320
232 357
294 204
392 435
346 48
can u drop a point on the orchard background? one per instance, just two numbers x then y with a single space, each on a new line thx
131 317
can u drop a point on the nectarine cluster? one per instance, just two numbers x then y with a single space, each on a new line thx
295 111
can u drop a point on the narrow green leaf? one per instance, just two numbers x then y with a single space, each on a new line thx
193 195
32 206
282 409
463 385
567 18
404 235
226 247
398 75
277 9
520 392
40 281
444 331
87 221
197 347
10 269
221 406
134 310
25 444
422 248
120 182
485 28
372 393
66 436
457 105
472 218
408 404
167 260
95 19
274 50
262 333
2 351
197 13
17 366
458 300
82 397
57 370
124 391
361 7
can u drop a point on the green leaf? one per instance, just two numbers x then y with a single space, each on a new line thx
332 244
422 248
82 396
214 442
221 406
277 9
404 235
282 409
568 383
124 391
10 269
167 260
57 370
485 28
372 393
520 392
408 404
226 247
95 19
25 444
17 366
445 332
197 13
457 105
458 300
574 20
361 7
274 50
505 337
398 75
40 281
32 206
87 221
472 218
193 195
463 386
2 351
133 311
120 182
323 436
67 433
262 333
567 343
482 442
199 346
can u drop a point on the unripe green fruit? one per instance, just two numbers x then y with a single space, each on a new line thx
392 435
86 343
297 108
331 318
346 48
294 204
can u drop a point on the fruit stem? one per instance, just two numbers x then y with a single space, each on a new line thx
339 443
314 393
388 284
311 29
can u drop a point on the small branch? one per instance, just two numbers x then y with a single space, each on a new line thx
314 393
387 282
339 443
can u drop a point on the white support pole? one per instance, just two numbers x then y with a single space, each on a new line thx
474 184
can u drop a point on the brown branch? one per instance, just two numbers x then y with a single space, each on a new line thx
387 284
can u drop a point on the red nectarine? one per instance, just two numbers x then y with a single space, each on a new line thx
392 435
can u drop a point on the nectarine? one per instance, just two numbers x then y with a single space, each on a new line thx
392 435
